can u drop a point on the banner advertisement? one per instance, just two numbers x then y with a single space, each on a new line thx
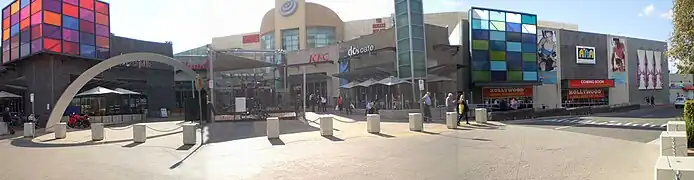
585 55
595 83
586 94
508 92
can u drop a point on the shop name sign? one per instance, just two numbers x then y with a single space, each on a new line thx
586 94
585 55
595 83
353 51
319 57
507 92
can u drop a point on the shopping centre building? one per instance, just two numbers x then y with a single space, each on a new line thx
493 55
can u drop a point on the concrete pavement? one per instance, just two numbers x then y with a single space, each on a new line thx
237 150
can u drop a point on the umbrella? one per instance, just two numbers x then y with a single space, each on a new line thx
125 91
392 80
349 85
4 94
367 83
98 91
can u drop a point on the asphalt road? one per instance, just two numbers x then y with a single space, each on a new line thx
644 125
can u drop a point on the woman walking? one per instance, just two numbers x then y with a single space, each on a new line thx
462 108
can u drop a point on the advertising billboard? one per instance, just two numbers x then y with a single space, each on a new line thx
503 46
71 27
585 55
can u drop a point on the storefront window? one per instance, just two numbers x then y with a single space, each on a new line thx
577 93
502 99
320 36
267 41
290 39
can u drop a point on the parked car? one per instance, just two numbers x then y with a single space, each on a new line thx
679 102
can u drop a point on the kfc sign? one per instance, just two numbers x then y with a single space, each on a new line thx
252 38
197 66
598 83
353 51
508 92
586 94
320 57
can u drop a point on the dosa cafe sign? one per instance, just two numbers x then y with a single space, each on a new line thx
595 83
508 92
586 94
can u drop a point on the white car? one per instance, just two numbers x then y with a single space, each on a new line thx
679 102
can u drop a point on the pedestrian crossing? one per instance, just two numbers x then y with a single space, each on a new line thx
584 121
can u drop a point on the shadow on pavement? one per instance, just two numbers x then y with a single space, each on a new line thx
25 142
186 147
229 131
276 142
545 123
383 135
333 138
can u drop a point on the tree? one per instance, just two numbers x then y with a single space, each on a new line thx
682 39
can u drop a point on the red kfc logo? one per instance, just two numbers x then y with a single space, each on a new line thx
314 58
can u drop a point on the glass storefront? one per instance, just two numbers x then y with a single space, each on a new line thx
585 97
501 98
320 36
290 39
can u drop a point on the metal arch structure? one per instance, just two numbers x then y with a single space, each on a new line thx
212 55
89 74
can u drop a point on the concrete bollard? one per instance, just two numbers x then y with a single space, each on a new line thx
451 120
273 127
680 140
326 125
3 128
676 126
189 134
481 115
139 133
665 166
373 123
416 123
60 130
29 130
97 131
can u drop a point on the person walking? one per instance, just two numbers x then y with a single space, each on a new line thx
450 103
324 104
340 104
426 99
7 118
463 109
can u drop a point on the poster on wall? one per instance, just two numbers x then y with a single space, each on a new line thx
649 69
585 55
547 56
618 60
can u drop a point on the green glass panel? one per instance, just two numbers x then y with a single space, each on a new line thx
514 76
529 57
527 19
479 76
497 55
480 44
499 26
419 64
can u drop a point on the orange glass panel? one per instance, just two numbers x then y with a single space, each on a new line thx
6 23
14 8
24 24
35 6
71 10
87 4
6 34
102 42
51 18
102 19
101 7
52 45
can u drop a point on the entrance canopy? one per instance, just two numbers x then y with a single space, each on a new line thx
230 61
97 91
125 91
4 94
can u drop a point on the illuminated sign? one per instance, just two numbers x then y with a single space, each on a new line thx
586 94
289 8
508 92
585 55
353 51
598 83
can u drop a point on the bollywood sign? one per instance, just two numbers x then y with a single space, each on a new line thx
508 92
586 94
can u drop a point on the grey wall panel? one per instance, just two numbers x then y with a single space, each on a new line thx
637 95
572 70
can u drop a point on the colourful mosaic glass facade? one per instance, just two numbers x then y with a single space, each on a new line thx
72 27
503 46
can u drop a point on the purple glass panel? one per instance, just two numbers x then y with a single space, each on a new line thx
36 18
14 53
73 2
52 31
14 19
103 53
86 14
53 5
25 50
36 45
87 51
14 42
87 38
6 12
24 37
6 45
24 13
5 56
71 35
102 30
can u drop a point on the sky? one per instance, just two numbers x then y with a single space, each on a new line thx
192 23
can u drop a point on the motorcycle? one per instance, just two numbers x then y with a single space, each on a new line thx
77 121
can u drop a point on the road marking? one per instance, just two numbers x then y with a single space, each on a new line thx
654 125
663 125
627 124
564 127
602 123
644 125
618 124
588 122
635 124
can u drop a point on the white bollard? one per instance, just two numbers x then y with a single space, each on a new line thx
273 127
189 133
676 126
326 125
60 130
481 115
416 123
3 128
665 166
451 120
97 131
29 129
373 123
680 140
139 133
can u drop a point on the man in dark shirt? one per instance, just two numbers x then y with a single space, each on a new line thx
8 120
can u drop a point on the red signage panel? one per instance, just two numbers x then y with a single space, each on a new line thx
253 38
319 57
586 94
508 92
591 83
